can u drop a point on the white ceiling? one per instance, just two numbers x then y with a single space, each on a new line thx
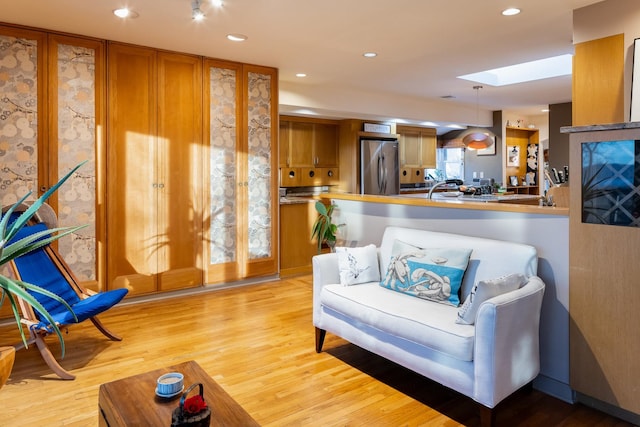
422 45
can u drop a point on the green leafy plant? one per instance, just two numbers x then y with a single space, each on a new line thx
324 230
12 288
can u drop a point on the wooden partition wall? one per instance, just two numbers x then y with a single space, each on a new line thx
604 297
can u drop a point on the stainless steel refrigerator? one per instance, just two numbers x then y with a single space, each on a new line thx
379 167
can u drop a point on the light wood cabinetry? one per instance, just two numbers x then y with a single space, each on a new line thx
308 152
523 160
154 177
297 248
241 159
52 118
417 152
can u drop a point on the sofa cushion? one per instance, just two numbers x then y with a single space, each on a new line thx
484 290
434 274
423 322
358 265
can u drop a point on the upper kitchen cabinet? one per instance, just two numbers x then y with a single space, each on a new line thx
417 152
52 118
308 151
154 189
241 163
307 142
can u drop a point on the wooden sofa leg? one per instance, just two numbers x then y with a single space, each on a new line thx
320 334
487 416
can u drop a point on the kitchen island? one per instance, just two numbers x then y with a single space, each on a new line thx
547 228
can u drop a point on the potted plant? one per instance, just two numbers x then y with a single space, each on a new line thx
11 288
324 230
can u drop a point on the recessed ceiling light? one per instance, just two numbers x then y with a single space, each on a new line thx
216 3
511 11
545 110
369 54
301 75
125 13
555 66
236 37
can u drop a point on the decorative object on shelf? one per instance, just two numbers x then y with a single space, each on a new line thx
12 288
513 181
532 164
324 230
513 156
193 411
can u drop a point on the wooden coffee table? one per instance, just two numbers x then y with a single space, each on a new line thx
132 401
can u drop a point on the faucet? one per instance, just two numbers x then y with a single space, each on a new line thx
436 185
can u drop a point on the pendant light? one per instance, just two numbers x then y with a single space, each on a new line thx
477 138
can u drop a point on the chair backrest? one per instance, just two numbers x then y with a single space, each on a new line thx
37 268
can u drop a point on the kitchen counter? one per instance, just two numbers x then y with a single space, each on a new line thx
521 203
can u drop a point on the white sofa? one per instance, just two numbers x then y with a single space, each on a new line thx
486 361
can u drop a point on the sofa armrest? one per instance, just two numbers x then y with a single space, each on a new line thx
325 272
507 349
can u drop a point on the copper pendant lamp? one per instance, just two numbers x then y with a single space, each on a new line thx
477 138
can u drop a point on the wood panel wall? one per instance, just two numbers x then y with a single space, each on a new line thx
598 81
604 296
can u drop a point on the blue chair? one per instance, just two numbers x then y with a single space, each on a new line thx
46 268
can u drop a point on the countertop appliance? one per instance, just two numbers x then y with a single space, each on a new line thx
379 167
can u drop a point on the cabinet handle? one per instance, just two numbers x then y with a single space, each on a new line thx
43 188
154 185
160 185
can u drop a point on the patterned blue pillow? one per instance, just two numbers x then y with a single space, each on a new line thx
434 274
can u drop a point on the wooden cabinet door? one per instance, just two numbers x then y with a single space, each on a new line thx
284 146
428 148
410 148
179 171
132 180
301 151
154 170
325 145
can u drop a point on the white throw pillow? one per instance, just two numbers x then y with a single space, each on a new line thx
484 290
358 265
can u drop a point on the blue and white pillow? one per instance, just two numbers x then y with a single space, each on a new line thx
434 274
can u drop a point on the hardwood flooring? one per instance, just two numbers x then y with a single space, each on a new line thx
257 342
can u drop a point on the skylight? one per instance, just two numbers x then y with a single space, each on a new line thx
528 71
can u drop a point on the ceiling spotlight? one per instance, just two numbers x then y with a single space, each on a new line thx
196 13
511 11
216 3
236 37
301 75
125 13
369 54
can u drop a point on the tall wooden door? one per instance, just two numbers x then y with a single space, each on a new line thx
51 119
153 169
241 161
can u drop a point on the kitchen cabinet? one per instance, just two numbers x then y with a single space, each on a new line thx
417 149
297 248
51 119
241 162
155 176
523 163
308 152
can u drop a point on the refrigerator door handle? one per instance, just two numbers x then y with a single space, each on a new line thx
384 175
380 173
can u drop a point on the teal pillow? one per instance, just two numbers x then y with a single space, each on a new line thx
434 274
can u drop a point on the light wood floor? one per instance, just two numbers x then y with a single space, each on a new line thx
257 342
